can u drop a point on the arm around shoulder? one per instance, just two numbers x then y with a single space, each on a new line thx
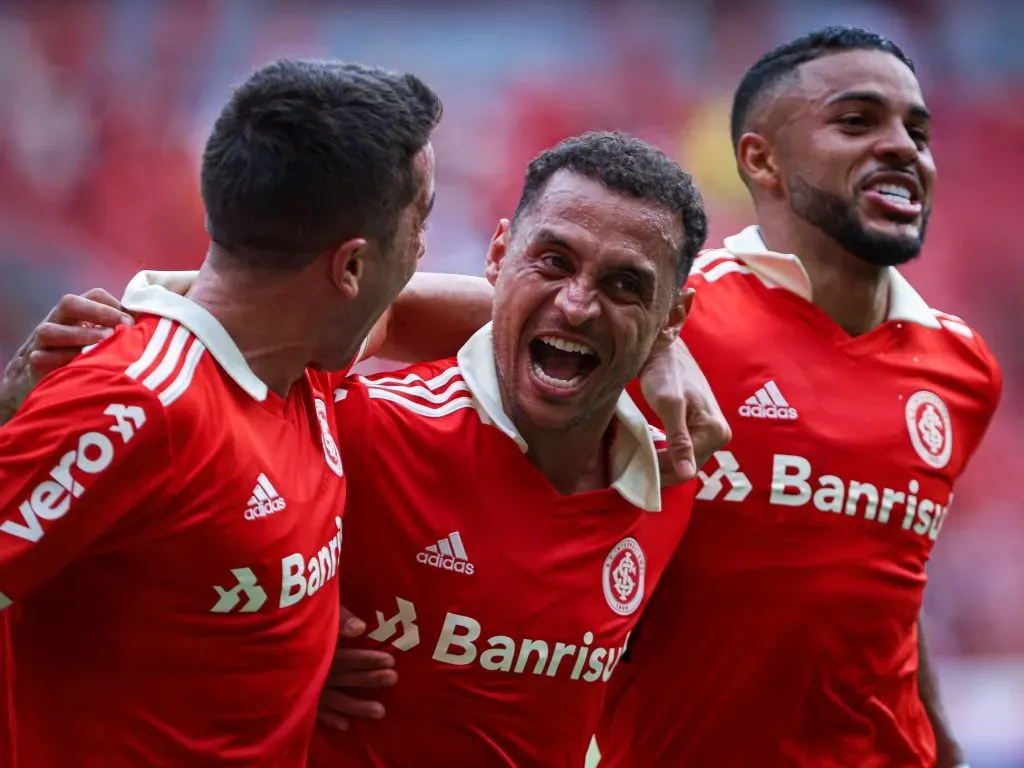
432 318
88 448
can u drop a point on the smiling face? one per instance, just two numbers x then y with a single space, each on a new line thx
585 281
853 146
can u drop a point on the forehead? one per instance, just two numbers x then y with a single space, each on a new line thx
874 73
575 206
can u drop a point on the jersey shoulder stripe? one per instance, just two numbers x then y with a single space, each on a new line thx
431 396
161 357
953 323
971 348
711 266
168 363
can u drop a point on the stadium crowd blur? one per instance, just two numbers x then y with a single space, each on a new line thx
105 106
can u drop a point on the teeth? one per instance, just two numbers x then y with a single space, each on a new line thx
895 191
567 346
553 382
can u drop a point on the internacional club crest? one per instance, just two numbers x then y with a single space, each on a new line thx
331 453
625 570
930 428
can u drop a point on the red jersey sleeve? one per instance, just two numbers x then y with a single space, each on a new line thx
88 447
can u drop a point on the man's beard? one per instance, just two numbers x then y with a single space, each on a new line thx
838 219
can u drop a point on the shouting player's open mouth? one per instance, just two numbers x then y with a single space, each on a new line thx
560 366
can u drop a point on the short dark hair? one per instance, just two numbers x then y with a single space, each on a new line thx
631 167
776 64
308 154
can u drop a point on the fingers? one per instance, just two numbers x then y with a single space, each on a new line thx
43 361
673 412
667 469
50 335
361 660
342 704
680 449
95 306
101 296
378 678
333 720
351 625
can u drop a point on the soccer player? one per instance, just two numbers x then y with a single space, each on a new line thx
506 522
530 425
786 631
171 502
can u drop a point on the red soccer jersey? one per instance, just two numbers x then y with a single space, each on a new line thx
784 633
168 553
506 604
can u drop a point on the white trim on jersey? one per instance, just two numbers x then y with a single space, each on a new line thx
784 270
423 390
430 411
157 293
634 458
169 361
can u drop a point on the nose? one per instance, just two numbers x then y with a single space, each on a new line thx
577 301
897 145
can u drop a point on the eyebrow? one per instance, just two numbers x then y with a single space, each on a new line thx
549 237
644 272
918 111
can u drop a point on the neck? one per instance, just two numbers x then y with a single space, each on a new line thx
573 460
854 293
262 316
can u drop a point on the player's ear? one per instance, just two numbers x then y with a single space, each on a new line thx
499 247
347 265
681 306
757 162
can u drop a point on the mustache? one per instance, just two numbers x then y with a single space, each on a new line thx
900 168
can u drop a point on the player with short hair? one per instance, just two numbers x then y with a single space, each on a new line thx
786 631
670 379
171 502
506 521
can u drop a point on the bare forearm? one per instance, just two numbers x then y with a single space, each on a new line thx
434 316
948 751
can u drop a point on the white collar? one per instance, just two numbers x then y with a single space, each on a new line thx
160 293
784 270
634 458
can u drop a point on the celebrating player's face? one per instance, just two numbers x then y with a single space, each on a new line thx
856 154
584 282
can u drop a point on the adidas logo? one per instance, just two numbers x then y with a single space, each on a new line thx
264 501
448 554
768 403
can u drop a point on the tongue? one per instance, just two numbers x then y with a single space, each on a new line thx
557 363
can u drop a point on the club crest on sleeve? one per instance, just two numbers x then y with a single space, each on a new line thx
930 428
330 447
625 569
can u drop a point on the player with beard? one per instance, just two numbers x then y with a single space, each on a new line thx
786 631
506 522
587 285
